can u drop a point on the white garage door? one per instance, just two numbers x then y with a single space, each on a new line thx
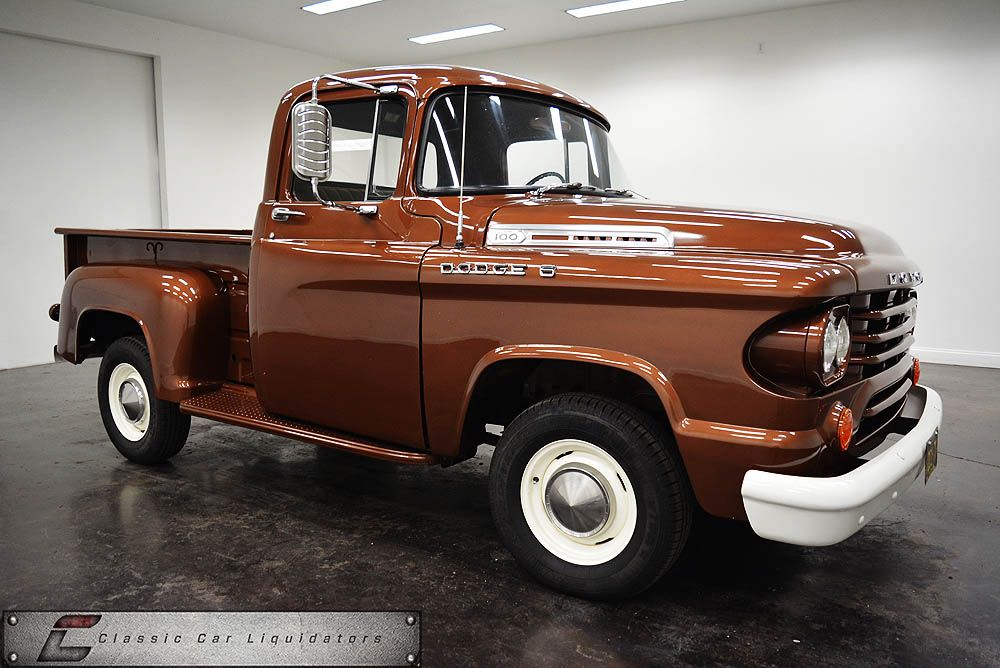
77 149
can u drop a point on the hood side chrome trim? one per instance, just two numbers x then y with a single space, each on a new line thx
630 237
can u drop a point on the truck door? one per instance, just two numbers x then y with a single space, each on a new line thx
335 295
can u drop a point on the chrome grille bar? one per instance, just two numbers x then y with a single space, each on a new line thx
905 307
882 325
898 349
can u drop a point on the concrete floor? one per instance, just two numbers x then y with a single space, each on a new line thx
244 521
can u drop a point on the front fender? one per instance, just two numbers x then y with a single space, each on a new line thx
587 355
181 313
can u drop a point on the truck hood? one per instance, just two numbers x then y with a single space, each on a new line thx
868 252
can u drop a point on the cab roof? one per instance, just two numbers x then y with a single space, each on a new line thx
429 79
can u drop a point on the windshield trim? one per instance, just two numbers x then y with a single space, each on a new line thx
514 190
418 165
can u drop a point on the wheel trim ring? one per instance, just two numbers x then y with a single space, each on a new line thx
133 430
608 542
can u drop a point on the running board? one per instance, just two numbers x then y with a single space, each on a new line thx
240 407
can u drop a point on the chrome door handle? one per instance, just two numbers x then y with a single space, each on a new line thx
281 214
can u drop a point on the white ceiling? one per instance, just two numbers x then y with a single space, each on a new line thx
377 34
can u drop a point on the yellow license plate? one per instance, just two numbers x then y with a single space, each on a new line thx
930 456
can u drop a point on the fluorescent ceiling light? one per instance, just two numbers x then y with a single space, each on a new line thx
456 34
620 6
329 6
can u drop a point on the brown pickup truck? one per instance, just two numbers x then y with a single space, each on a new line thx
445 257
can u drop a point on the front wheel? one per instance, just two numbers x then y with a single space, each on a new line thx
590 496
145 429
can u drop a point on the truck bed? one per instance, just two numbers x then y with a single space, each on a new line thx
222 254
209 248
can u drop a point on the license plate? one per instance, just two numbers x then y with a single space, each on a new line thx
930 456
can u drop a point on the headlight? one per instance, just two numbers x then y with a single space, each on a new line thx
801 352
836 344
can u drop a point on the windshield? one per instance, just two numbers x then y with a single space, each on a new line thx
513 144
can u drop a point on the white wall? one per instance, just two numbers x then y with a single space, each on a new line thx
66 162
215 97
883 112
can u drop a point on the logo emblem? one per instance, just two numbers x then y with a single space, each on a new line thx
492 269
484 269
903 277
54 650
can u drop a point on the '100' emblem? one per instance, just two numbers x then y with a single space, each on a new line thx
490 269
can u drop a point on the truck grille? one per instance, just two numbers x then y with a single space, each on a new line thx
881 329
881 334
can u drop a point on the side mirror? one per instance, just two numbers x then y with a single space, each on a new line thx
311 141
312 128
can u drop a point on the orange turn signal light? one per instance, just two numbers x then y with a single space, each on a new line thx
916 371
845 428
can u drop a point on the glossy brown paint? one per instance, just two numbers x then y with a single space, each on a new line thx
176 286
352 328
348 305
789 351
676 320
342 290
181 312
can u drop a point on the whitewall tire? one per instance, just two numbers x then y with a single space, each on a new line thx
590 496
142 427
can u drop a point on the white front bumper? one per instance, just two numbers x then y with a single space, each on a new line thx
823 511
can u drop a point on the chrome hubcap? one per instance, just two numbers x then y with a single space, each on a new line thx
577 502
132 399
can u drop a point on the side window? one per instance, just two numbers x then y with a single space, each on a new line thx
366 152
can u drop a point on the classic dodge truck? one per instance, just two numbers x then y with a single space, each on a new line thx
445 257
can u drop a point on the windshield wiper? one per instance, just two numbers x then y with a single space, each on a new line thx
581 187
624 192
575 185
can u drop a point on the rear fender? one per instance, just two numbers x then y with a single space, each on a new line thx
181 313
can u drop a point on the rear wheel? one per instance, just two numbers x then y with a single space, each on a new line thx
590 496
145 429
